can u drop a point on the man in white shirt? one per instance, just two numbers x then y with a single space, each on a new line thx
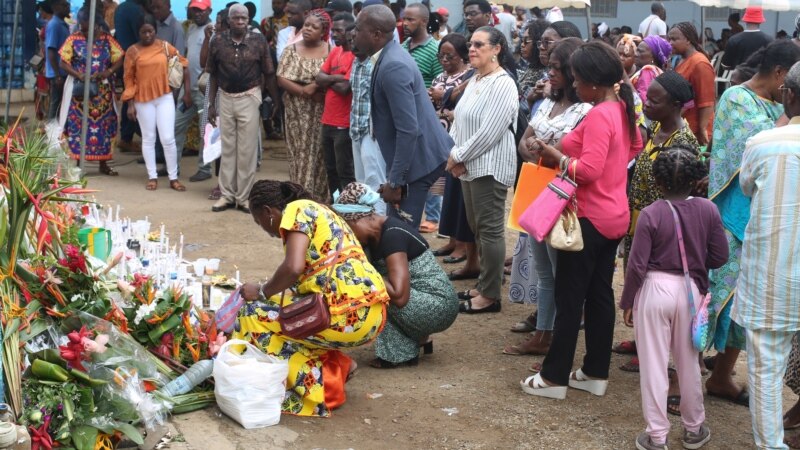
654 24
296 11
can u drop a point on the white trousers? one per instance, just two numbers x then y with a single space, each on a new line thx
767 356
160 114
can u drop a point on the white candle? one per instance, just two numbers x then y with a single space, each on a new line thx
180 250
161 237
117 218
237 274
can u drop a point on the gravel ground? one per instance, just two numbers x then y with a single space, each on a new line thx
463 396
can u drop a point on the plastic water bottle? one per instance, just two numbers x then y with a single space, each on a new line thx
191 378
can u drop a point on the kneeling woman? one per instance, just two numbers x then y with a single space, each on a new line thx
423 300
323 256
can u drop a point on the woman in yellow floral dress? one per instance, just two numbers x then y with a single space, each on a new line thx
355 293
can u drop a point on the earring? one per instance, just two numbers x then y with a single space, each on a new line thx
494 58
270 220
594 88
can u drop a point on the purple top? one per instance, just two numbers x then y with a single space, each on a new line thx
655 244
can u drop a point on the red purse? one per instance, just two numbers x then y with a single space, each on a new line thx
309 314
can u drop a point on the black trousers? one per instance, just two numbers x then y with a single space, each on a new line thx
414 203
337 147
583 286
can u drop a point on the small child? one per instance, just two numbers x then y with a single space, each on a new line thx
655 298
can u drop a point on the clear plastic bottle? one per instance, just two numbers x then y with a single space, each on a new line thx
191 378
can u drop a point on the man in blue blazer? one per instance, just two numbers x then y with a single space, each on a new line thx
413 142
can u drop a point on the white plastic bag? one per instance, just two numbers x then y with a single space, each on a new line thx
250 386
212 147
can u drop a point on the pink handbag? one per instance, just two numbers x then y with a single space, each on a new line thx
540 217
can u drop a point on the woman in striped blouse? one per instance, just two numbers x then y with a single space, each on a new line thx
484 159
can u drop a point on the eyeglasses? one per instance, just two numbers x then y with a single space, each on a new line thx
476 44
783 88
446 57
544 44
525 42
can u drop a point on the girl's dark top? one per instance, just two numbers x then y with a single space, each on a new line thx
399 236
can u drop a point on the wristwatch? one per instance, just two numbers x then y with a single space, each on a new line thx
394 185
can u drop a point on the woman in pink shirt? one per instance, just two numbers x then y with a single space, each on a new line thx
598 150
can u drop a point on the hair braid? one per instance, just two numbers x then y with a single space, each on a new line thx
678 168
276 194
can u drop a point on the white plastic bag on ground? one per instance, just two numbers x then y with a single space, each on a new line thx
249 386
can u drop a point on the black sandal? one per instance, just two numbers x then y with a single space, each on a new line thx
466 307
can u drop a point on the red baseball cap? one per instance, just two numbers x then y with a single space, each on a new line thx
200 4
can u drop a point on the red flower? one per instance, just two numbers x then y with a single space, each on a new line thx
74 351
40 438
139 280
75 260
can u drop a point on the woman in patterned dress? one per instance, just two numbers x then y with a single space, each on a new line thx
422 299
742 112
355 294
303 103
102 121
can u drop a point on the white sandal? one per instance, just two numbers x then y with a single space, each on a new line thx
534 385
579 380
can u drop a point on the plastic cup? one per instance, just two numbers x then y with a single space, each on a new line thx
213 264
200 266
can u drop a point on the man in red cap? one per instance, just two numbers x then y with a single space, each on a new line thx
740 46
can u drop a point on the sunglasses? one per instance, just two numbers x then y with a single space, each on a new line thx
477 44
544 44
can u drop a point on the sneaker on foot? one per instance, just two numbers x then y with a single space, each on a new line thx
643 442
694 441
199 176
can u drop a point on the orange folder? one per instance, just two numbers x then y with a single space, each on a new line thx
532 181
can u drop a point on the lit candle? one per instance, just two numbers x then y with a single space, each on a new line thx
161 237
237 274
117 218
180 250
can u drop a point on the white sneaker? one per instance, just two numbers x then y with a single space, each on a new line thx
579 380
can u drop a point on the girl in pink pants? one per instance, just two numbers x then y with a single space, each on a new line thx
655 297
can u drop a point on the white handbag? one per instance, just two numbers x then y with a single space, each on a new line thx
174 70
566 233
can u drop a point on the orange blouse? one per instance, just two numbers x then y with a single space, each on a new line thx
146 71
698 72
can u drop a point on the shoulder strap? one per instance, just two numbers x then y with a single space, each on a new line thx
684 261
331 265
648 27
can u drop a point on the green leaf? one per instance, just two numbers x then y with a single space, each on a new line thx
130 431
84 437
37 327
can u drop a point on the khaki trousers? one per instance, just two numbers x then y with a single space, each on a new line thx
239 119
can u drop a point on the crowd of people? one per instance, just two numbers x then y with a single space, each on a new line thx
392 116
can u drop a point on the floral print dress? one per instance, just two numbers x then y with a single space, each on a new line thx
102 120
356 297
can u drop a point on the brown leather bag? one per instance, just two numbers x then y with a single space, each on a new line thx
308 315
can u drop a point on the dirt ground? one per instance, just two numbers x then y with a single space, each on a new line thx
463 396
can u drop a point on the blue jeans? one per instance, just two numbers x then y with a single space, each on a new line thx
369 166
433 208
544 259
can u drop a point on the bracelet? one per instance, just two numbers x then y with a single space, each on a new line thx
563 162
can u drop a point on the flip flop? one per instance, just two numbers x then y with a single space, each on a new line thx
454 259
630 366
743 398
675 401
467 308
625 348
793 442
454 276
151 185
